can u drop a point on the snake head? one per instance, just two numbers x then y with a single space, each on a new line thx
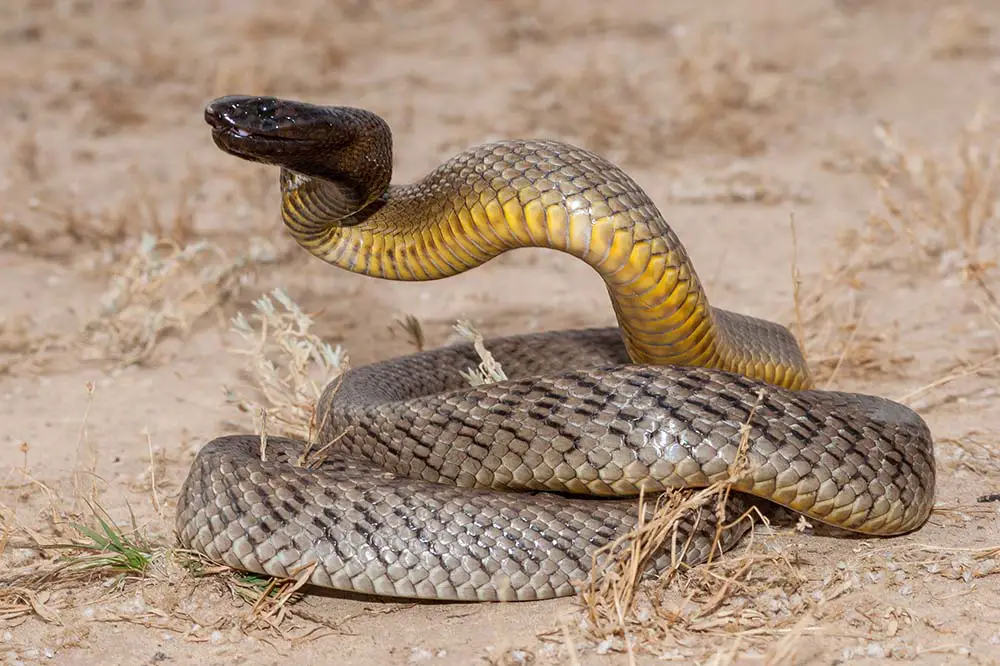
349 147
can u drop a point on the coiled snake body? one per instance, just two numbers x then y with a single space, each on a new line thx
417 498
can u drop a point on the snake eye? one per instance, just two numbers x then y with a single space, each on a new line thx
266 108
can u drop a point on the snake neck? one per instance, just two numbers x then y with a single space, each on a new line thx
511 195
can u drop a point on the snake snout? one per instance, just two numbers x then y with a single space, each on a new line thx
246 116
260 129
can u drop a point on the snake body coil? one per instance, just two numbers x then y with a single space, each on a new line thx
414 501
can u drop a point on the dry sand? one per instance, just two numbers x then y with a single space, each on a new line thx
860 118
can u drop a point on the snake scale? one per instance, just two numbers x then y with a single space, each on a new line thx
434 489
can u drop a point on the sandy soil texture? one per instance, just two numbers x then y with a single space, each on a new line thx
832 165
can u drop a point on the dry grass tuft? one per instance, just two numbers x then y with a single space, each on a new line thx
160 291
722 90
124 575
42 579
546 108
21 344
489 370
830 321
290 366
943 212
933 214
411 328
164 290
58 224
838 341
722 87
62 231
753 595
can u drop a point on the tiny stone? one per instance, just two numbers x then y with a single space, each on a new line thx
519 656
419 654
875 650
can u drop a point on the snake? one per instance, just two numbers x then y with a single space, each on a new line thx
433 488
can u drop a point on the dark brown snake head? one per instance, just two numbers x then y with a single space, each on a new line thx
349 147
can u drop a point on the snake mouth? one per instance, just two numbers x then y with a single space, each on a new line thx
248 145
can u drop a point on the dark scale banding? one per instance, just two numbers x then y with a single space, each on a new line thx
413 497
621 427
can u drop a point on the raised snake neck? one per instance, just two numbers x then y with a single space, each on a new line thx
503 196
584 414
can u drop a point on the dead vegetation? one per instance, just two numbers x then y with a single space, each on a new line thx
106 573
756 598
934 214
289 366
943 211
85 556
750 597
160 292
724 89
935 221
723 93
165 290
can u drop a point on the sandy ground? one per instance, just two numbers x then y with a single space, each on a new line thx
852 116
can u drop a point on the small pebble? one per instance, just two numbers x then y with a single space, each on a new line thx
419 654
519 656
875 651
